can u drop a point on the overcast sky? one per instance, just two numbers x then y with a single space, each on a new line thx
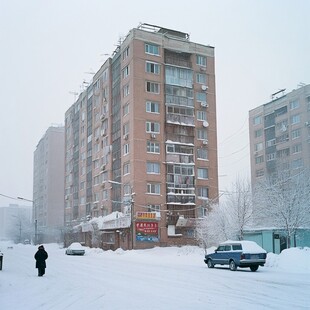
48 46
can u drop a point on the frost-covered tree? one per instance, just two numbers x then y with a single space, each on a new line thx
239 206
227 219
283 201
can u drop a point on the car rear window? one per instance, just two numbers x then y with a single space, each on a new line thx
237 247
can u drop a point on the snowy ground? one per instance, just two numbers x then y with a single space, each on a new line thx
159 278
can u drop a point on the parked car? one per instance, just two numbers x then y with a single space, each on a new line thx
75 249
237 254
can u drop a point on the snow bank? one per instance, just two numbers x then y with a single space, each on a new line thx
293 260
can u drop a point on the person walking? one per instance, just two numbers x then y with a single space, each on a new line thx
40 257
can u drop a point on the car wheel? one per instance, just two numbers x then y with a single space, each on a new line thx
254 268
210 263
232 265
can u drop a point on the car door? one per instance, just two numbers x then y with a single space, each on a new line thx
219 255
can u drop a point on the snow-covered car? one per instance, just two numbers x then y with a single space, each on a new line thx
237 254
75 249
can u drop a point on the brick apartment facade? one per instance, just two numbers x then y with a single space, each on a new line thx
141 141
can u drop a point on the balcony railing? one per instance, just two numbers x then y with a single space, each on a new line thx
180 119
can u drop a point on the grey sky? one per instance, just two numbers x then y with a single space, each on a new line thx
47 46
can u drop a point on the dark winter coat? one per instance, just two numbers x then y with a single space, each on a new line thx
40 258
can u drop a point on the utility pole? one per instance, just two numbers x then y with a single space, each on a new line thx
35 232
132 203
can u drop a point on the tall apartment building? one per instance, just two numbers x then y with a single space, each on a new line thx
141 139
280 134
48 185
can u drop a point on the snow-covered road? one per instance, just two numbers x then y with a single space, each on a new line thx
160 278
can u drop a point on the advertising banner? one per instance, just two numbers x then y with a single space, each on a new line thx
147 231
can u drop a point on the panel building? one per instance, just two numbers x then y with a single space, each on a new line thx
141 141
48 185
280 134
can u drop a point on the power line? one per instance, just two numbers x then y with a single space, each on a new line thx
10 197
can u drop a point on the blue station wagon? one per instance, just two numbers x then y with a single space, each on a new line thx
237 254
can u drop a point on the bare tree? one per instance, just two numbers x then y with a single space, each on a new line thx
227 219
239 206
282 200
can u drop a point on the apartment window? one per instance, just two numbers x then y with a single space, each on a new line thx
152 127
126 53
96 179
96 147
271 156
105 194
258 133
201 115
202 153
151 49
201 78
297 148
296 133
179 76
127 189
295 119
83 170
152 107
258 146
201 60
201 97
202 173
152 67
153 188
125 72
82 185
83 142
126 90
152 147
294 105
153 208
308 102
296 163
82 200
283 153
152 168
126 168
126 148
126 129
152 87
271 142
259 159
126 109
257 120
202 192
202 134
259 173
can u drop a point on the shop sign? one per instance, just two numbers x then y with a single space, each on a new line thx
146 215
147 231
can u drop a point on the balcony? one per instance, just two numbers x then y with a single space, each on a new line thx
180 119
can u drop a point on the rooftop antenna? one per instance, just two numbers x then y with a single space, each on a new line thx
73 93
301 84
274 95
105 56
91 71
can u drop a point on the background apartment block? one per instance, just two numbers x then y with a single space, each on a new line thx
280 134
141 139
48 185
